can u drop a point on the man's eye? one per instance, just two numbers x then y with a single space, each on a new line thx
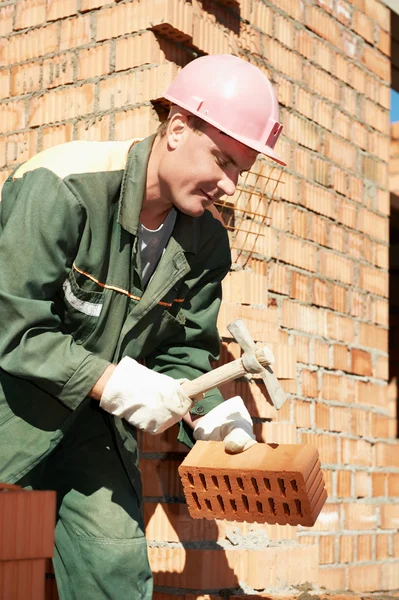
222 163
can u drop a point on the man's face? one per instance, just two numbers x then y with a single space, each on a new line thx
201 167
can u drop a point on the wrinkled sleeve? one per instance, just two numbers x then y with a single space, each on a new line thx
40 226
189 354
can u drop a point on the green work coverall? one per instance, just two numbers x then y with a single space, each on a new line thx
72 302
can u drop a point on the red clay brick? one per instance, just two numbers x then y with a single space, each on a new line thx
278 278
300 287
320 292
59 9
364 578
75 32
321 354
26 78
6 19
21 146
94 62
61 105
363 25
51 136
30 13
58 70
360 515
322 416
32 44
346 548
242 489
12 116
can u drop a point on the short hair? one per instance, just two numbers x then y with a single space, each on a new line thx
197 124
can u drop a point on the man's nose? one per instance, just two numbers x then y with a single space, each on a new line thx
227 186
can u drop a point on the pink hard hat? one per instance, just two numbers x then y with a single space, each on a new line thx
232 95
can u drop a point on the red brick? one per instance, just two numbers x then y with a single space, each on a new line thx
373 224
390 576
90 4
360 422
303 318
94 129
240 489
327 446
300 287
278 279
321 82
58 9
21 146
326 549
298 253
364 548
373 337
337 387
12 116
51 136
378 12
363 26
389 516
58 70
322 416
384 42
374 115
335 266
344 484
147 48
386 455
309 384
160 478
362 484
340 328
323 114
373 280
333 578
302 414
26 78
302 346
318 230
33 44
283 30
223 568
343 12
261 16
359 515
324 56
6 19
364 578
136 87
295 10
60 105
321 354
284 90
317 199
361 362
304 43
346 548
320 292
94 62
357 452
323 25
382 548
340 151
282 59
75 32
30 13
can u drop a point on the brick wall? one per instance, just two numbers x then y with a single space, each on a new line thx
317 277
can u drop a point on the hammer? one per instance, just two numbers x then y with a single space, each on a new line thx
254 360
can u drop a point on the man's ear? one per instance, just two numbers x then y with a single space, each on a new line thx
177 128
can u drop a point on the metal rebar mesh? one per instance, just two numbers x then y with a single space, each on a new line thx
247 213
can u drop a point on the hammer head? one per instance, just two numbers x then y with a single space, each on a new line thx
258 360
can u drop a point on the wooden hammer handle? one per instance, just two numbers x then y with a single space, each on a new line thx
220 375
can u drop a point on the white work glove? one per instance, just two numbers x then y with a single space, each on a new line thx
148 400
229 422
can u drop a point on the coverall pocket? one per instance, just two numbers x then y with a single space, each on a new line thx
82 309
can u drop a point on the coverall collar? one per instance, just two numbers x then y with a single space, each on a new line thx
186 231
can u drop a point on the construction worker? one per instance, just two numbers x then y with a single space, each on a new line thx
110 286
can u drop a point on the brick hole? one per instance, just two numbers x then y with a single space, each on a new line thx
215 481
286 509
255 484
208 504
268 486
221 503
245 502
227 482
298 508
259 506
190 479
233 505
203 481
194 495
240 483
294 485
272 506
282 486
